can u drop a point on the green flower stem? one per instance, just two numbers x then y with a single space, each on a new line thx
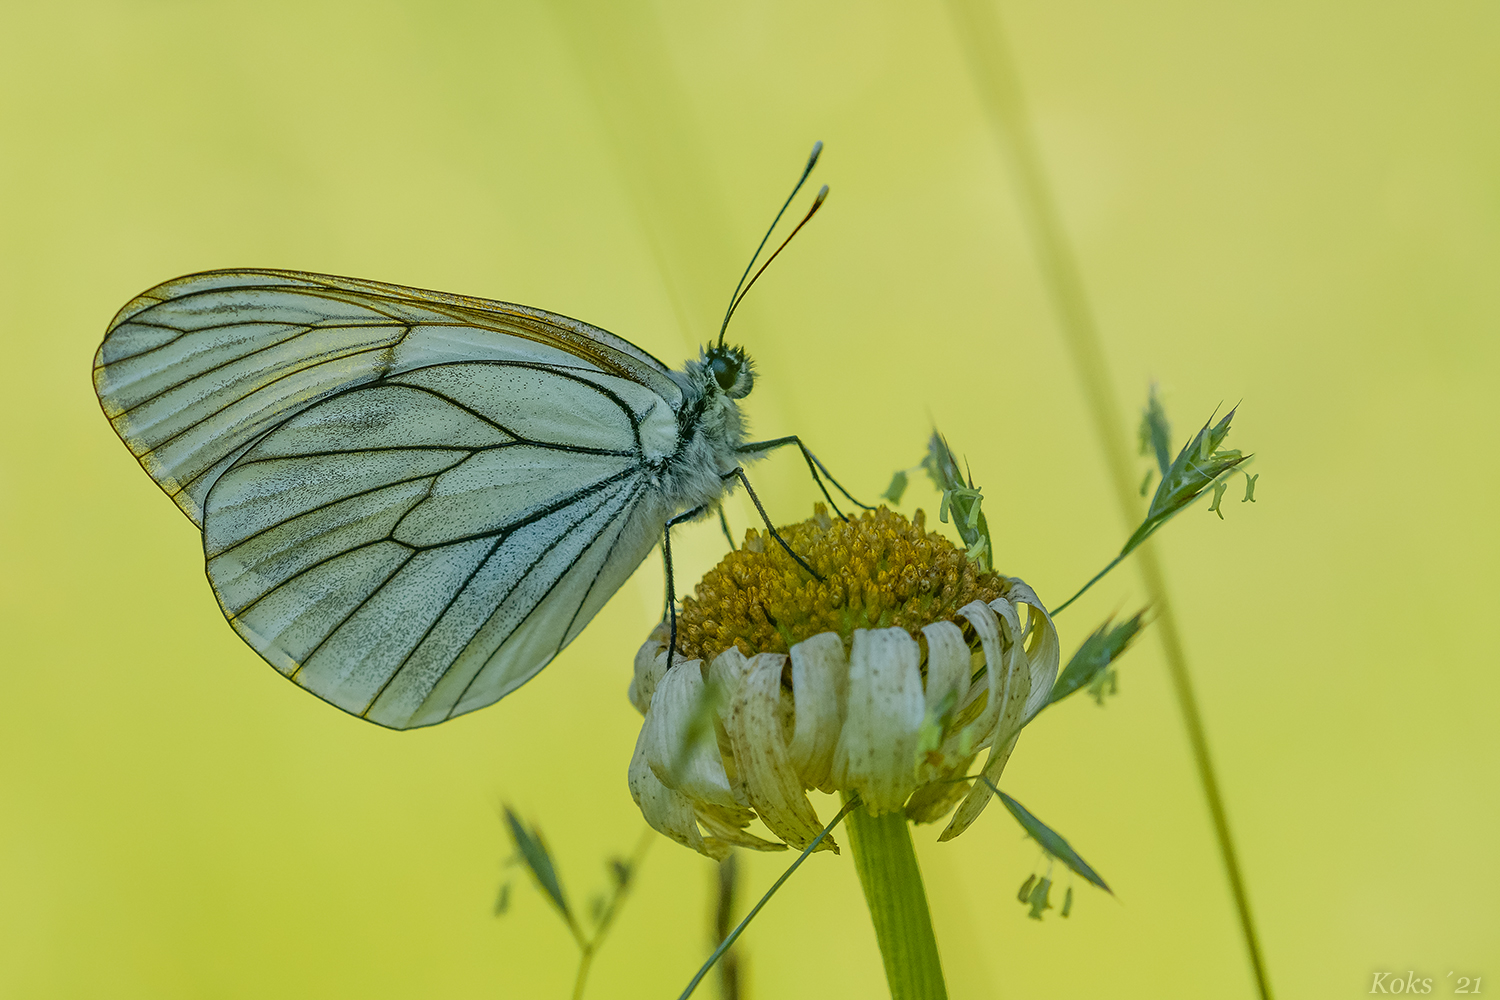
892 882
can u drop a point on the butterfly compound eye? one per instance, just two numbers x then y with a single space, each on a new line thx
726 369
731 370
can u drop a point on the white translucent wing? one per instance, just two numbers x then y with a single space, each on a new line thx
193 371
417 548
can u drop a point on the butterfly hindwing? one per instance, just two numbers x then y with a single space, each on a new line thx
418 547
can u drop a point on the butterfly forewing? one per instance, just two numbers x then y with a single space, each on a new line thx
193 371
410 501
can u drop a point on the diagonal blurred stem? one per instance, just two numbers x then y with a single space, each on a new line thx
729 964
589 947
999 90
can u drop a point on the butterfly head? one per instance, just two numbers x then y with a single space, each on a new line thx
730 370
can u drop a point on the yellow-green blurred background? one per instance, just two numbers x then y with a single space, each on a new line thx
1292 205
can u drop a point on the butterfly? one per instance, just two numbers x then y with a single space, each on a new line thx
411 501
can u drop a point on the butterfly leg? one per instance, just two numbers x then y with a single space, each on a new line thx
688 515
728 537
666 555
813 466
739 474
724 526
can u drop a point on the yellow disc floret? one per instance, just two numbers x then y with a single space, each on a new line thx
879 570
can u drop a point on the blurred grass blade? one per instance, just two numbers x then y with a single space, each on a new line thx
1096 654
533 853
1156 433
1200 465
982 39
1051 841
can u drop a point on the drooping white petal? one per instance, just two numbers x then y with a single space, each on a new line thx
667 811
1017 673
725 676
755 733
1012 618
681 758
933 802
987 624
820 676
947 666
1017 670
949 663
726 825
979 795
1043 653
876 755
727 672
650 664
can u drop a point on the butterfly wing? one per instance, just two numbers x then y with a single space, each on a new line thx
419 547
194 370
410 502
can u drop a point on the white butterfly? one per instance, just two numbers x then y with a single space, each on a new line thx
410 500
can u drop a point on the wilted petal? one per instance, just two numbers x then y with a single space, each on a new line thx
876 755
979 796
725 676
726 825
820 675
1010 616
1017 672
755 734
932 802
987 623
667 811
650 664
948 663
681 757
1043 652
727 672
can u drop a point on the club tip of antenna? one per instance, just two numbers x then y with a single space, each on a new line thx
822 194
816 152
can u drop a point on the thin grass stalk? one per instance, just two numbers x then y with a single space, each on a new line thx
997 83
733 936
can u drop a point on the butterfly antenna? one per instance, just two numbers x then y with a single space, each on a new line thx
817 204
812 161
